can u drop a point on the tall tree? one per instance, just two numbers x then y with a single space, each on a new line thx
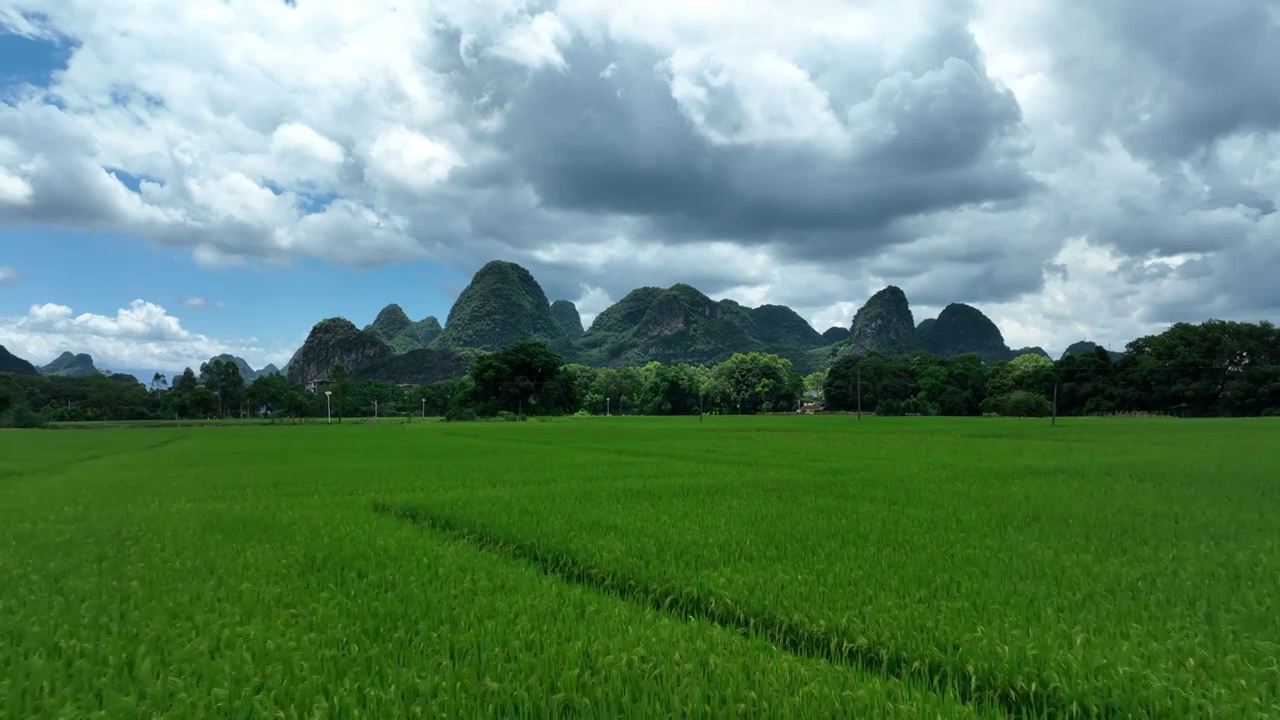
760 382
525 377
223 378
672 390
186 382
273 394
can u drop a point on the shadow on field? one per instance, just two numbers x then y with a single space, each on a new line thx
793 635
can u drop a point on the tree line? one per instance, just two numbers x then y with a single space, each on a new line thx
1213 369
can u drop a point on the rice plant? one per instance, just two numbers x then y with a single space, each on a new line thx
755 567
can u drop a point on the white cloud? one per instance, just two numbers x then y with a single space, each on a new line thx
759 99
13 189
8 275
299 155
195 302
410 159
1082 303
142 336
534 42
838 314
591 303
371 133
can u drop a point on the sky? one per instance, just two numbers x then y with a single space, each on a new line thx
179 180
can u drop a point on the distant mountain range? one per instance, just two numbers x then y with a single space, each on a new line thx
504 304
246 372
82 365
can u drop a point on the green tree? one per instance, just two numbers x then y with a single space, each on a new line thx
364 398
526 378
584 380
1087 383
186 382
204 402
814 382
881 378
224 379
617 391
1018 403
672 390
273 394
448 398
760 382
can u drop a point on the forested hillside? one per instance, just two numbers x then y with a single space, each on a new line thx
673 350
1212 369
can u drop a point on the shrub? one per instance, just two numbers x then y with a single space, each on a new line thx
21 416
1018 403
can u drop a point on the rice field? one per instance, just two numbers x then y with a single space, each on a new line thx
644 567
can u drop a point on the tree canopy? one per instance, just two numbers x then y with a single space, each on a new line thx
1216 368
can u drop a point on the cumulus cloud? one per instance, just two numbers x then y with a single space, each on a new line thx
142 336
968 152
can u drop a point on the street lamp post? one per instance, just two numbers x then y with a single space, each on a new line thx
328 409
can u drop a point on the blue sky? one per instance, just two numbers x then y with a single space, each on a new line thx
30 60
100 272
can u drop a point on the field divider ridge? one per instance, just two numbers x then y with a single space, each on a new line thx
793 635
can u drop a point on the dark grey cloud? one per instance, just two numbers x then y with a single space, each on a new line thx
617 142
607 150
1218 62
974 280
1170 78
1238 284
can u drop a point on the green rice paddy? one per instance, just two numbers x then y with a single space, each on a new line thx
644 567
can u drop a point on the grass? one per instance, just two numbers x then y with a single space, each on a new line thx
233 422
644 567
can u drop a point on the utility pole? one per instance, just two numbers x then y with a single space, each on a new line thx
607 401
859 391
1054 421
375 409
424 408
